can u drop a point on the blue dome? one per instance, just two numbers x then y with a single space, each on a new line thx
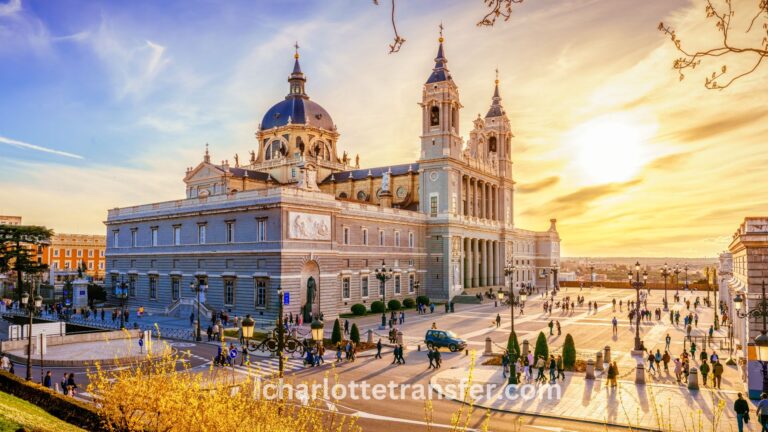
300 110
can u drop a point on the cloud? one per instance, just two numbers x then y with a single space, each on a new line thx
23 145
719 126
577 203
669 161
537 186
11 8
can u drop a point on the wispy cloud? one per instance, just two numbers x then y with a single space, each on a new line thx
538 185
10 8
28 146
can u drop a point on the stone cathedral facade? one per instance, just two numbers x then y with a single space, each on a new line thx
299 217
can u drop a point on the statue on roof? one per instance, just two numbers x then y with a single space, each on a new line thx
253 157
357 161
237 161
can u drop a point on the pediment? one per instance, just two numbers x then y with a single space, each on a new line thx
204 171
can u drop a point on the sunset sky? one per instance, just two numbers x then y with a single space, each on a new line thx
104 104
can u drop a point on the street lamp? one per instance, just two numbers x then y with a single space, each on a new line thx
31 309
677 279
383 275
685 268
509 270
761 342
637 284
591 275
121 292
199 289
317 331
665 274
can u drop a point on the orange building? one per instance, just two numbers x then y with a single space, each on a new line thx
67 251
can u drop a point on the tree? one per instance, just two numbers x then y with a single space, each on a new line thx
569 352
756 46
354 334
541 349
21 250
336 335
497 9
514 353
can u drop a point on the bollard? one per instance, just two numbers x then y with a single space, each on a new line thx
525 348
370 336
640 373
418 347
488 348
607 355
590 369
400 338
693 379
599 361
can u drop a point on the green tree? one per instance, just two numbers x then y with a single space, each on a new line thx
21 251
541 349
569 352
354 334
336 335
514 353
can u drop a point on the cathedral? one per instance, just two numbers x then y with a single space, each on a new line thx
299 218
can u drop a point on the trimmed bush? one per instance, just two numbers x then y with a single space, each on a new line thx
422 300
513 347
542 349
336 335
394 304
354 334
569 352
359 309
409 303
377 306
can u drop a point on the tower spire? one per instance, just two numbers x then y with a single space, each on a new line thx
440 71
207 156
297 78
496 109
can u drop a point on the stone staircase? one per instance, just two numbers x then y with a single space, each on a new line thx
183 307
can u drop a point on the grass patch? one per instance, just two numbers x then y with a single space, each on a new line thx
16 413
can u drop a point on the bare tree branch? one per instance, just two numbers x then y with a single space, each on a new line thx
499 9
691 60
399 41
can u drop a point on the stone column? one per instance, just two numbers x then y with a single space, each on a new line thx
607 355
525 348
370 336
640 373
460 203
488 347
590 369
474 199
693 379
483 262
492 263
467 261
599 361
475 273
399 339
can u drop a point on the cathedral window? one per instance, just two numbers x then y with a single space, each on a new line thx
397 285
434 116
346 235
492 144
397 238
362 196
229 291
345 292
454 118
261 293
364 286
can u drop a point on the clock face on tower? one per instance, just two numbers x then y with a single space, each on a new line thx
433 176
401 192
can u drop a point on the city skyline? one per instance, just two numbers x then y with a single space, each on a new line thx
130 97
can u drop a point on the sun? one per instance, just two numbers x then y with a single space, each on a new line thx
611 148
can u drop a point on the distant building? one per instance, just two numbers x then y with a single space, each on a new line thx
566 276
742 272
10 220
68 251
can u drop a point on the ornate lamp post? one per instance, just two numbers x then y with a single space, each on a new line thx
199 289
677 279
665 274
383 275
761 342
31 307
685 268
509 271
637 284
121 292
317 331
591 275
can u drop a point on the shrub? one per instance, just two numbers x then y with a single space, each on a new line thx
377 306
542 349
409 303
358 309
422 300
336 335
354 334
569 352
394 304
513 347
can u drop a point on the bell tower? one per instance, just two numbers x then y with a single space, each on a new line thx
440 108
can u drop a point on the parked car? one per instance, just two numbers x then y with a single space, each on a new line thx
444 339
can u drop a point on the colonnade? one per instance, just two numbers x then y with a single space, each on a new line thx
482 263
479 199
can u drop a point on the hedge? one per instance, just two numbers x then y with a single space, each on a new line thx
358 309
377 306
62 407
409 303
569 352
336 335
542 348
422 300
354 334
394 304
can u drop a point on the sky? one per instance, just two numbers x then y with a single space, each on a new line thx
105 104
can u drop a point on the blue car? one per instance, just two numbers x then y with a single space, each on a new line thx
444 339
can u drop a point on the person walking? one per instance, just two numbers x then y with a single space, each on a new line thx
346 327
762 411
651 361
191 318
504 364
431 357
540 363
63 384
615 324
611 375
552 368
717 373
401 350
559 331
396 355
71 385
378 350
438 359
665 359
560 368
498 320
741 408
551 326
47 380
678 370
667 340
338 353
704 369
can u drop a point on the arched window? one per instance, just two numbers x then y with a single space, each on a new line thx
492 144
454 117
362 196
343 195
434 116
